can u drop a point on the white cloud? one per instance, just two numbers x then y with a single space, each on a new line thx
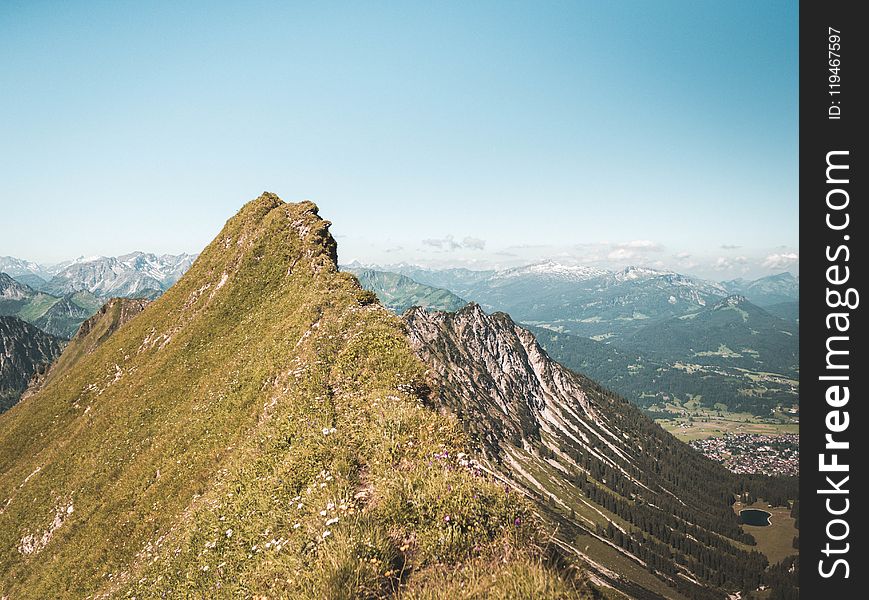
781 261
723 263
647 245
448 243
633 250
621 254
474 243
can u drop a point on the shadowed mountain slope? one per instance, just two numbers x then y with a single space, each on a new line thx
25 351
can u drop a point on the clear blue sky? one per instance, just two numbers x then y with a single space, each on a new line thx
467 133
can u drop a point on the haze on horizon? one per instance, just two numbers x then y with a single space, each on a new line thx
661 135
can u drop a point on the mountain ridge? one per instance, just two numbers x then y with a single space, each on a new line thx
258 429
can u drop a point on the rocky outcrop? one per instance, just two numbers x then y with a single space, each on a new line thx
25 351
112 315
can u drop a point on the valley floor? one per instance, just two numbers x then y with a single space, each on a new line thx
776 540
690 421
741 442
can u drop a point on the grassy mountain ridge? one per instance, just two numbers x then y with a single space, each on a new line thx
256 430
93 333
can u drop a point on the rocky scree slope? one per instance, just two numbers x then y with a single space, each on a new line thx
258 430
609 477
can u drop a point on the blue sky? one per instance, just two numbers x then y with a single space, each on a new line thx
480 134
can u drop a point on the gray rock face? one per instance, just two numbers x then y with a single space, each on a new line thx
494 369
589 459
25 350
13 291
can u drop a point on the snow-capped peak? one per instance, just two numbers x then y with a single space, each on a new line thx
552 268
635 273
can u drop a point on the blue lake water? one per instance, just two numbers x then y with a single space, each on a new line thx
754 516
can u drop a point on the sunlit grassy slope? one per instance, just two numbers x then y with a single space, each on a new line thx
256 431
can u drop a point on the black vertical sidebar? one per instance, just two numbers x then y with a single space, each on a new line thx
834 562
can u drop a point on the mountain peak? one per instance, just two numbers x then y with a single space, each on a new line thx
11 289
784 276
269 231
245 404
632 273
553 269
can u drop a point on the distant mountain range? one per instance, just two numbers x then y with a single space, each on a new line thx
766 291
134 274
656 337
733 355
664 336
58 298
399 292
267 429
732 332
57 315
590 301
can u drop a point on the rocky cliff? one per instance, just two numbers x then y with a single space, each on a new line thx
25 351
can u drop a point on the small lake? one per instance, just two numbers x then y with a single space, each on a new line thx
754 516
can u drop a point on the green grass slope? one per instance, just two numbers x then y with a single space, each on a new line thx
257 431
